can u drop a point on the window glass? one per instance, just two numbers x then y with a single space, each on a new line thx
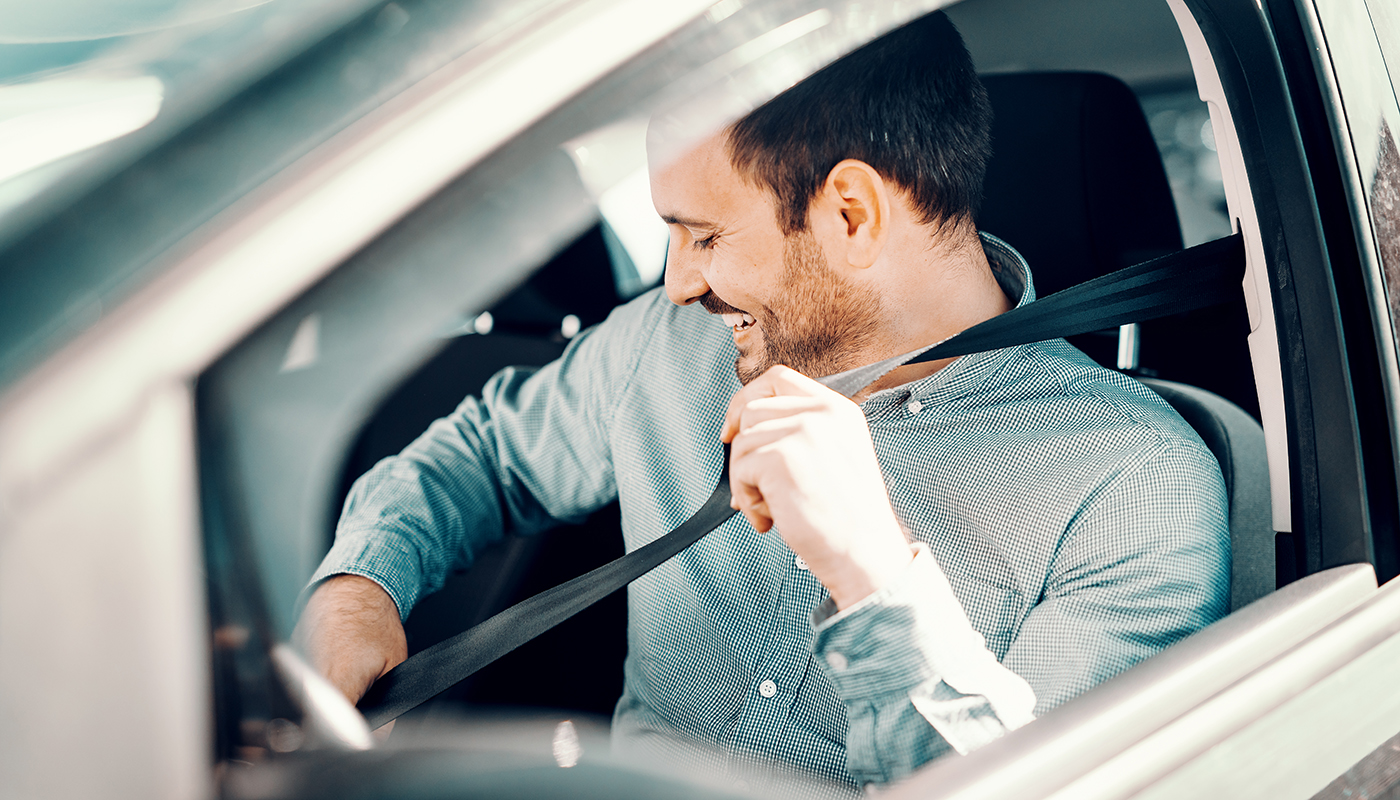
1385 15
77 73
1372 120
147 132
1384 190
1181 126
1376 775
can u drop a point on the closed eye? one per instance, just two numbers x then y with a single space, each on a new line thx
706 243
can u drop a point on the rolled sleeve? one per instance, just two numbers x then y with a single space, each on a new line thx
384 559
916 678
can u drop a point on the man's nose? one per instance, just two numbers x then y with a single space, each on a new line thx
684 283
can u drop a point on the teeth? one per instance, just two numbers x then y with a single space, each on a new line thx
737 321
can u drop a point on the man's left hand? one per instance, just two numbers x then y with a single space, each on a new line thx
801 459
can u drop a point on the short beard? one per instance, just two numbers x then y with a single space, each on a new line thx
825 324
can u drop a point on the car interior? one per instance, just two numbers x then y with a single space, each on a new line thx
1104 157
1076 184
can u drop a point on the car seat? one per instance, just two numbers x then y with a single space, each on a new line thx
1238 444
1076 184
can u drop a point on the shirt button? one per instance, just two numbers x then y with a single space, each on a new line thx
797 560
915 406
768 688
836 661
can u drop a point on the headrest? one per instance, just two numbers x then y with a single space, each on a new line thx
1075 182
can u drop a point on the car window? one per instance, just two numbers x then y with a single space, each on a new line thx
1139 43
1371 121
1376 775
278 412
1386 18
1384 189
1181 125
77 60
1366 120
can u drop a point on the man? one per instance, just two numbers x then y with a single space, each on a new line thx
975 542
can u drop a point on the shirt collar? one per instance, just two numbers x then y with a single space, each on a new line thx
967 372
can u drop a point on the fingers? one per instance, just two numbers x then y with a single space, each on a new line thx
777 381
751 457
758 516
762 414
757 389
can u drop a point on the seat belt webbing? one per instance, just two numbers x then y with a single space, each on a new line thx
1190 279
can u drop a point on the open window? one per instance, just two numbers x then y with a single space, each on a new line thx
502 255
428 306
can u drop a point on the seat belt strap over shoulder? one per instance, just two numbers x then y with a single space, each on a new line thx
1191 279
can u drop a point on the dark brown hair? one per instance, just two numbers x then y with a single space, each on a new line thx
909 104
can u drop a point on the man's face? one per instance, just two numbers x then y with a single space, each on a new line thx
779 294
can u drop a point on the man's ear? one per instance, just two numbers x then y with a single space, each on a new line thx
851 213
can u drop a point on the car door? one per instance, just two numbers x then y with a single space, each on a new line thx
178 453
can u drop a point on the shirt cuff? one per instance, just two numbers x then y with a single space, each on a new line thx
911 639
373 554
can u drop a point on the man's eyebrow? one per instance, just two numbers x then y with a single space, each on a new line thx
672 219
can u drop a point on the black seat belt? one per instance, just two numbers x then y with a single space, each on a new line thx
1187 280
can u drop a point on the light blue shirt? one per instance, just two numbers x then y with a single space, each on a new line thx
1068 524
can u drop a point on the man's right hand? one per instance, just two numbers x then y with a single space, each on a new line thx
351 633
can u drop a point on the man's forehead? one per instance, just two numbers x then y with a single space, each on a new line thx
703 152
700 117
698 186
693 185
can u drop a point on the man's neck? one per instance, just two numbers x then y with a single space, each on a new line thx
932 293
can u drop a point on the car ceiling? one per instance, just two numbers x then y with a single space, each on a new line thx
1135 40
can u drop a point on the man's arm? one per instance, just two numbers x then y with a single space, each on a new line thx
1145 564
350 632
533 450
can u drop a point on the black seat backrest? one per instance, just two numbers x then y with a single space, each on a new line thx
1076 184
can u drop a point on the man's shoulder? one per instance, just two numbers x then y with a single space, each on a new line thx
1083 395
1050 405
652 313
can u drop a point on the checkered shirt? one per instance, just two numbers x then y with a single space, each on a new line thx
1068 524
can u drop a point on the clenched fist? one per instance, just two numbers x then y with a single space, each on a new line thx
801 459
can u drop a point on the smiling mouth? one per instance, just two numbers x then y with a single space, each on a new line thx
738 321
